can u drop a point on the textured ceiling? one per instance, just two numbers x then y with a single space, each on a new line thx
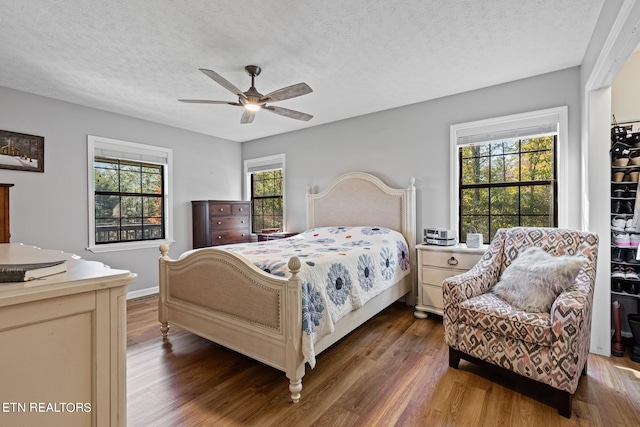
137 57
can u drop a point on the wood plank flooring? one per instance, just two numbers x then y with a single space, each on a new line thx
392 371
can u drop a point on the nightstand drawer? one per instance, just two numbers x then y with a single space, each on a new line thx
455 260
432 296
435 276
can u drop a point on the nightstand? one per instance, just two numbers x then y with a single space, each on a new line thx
274 236
436 263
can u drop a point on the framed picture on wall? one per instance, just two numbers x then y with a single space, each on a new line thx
20 151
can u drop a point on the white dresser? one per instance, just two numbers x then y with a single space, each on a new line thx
63 344
436 263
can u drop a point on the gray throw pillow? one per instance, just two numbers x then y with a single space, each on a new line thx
535 278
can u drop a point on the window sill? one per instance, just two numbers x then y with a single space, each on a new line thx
126 246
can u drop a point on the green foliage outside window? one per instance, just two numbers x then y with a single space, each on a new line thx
508 184
128 200
266 197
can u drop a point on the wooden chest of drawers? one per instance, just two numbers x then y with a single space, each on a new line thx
436 263
220 222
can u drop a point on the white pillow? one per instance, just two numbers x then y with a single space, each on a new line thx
535 278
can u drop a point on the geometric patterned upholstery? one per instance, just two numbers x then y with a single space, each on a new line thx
551 348
490 313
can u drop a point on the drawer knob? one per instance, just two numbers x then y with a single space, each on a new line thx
219 237
221 209
219 222
241 222
452 261
241 209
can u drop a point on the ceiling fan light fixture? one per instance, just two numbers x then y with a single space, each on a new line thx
252 100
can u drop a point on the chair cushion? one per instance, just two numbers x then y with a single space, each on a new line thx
490 313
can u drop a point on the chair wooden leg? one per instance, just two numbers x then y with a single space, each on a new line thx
454 358
564 403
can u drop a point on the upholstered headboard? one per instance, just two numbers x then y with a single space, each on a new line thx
361 199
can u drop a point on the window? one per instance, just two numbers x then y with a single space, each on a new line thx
507 184
129 198
507 172
265 189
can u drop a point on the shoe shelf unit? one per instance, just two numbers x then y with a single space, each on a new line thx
625 240
625 237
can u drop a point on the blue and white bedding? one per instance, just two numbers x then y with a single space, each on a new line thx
342 268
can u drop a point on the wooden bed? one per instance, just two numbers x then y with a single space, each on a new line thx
224 298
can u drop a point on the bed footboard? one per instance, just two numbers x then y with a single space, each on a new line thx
222 297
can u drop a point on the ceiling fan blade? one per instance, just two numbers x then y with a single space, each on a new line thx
207 101
247 117
287 93
289 113
223 82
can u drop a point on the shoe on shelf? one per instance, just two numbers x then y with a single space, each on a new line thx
618 223
616 207
621 239
621 161
617 285
618 272
619 147
634 240
620 192
628 226
631 274
628 206
631 287
620 255
629 256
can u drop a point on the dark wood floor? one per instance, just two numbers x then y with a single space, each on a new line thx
391 371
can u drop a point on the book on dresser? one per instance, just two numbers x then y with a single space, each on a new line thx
23 263
30 271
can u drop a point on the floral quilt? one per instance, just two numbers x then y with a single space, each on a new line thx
342 268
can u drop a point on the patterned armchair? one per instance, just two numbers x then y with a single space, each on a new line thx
550 348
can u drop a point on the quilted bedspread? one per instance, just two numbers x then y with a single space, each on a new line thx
342 268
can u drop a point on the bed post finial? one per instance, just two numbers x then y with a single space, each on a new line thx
308 190
164 250
412 182
294 265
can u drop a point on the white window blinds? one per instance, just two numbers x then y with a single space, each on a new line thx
263 164
105 147
518 128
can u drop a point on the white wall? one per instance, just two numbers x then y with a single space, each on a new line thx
414 141
625 92
49 209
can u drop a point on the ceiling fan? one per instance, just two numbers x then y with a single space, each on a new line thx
252 100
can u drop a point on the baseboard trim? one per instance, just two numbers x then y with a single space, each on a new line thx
143 292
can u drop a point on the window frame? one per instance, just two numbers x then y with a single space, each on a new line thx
262 164
557 115
132 151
